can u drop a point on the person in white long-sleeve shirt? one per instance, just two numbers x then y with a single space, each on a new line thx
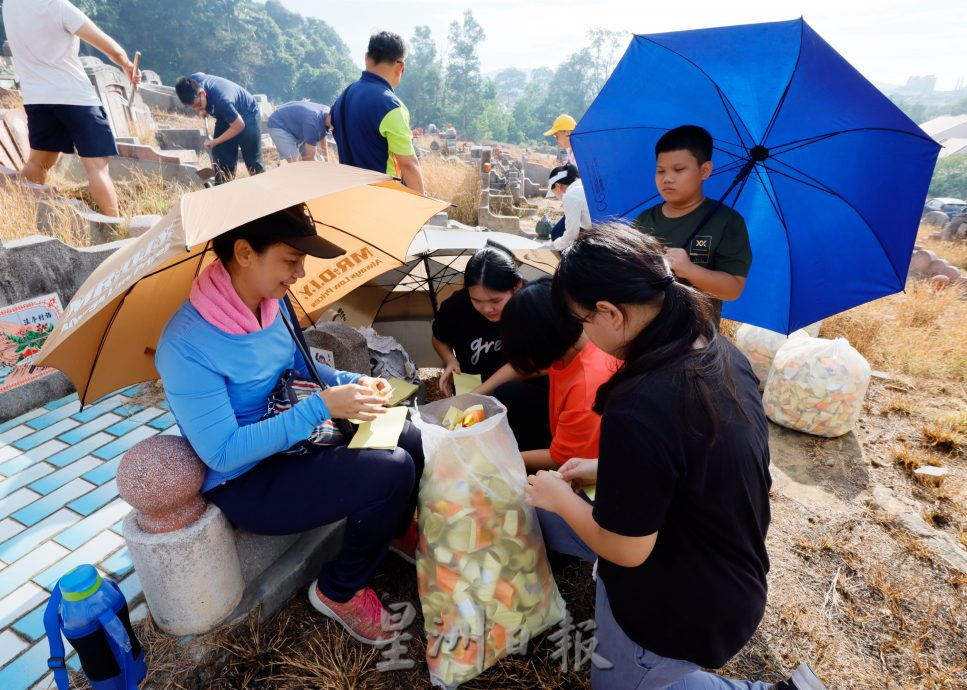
565 185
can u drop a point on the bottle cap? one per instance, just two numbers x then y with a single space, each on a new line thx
80 583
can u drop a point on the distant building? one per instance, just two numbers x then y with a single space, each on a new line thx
950 131
919 86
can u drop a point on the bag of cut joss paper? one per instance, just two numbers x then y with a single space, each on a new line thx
760 346
817 386
485 584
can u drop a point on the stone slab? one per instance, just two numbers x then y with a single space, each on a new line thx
33 266
347 345
943 544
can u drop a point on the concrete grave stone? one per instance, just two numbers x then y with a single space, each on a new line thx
35 266
14 143
346 346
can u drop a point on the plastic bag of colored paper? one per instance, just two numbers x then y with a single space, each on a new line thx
817 386
760 346
484 580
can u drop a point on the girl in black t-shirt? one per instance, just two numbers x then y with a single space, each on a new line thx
466 330
682 506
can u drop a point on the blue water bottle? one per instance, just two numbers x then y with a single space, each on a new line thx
93 615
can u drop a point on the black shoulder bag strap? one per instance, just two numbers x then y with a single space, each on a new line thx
345 157
300 342
708 216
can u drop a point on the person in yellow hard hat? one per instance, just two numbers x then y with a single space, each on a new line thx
561 131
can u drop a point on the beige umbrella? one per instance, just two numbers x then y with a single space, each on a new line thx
107 336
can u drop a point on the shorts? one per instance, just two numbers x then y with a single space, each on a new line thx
286 144
64 128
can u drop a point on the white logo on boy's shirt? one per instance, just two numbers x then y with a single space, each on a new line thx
478 346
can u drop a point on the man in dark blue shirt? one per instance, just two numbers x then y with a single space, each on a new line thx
298 129
237 124
370 123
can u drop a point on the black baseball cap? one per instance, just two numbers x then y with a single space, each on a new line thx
295 227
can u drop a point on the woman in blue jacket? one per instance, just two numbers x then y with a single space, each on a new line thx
220 357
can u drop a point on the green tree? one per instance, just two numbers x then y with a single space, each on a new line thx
494 122
510 84
950 177
421 88
959 107
463 80
916 111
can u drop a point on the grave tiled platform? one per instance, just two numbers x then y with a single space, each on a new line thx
59 508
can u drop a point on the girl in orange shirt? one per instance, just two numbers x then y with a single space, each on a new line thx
536 339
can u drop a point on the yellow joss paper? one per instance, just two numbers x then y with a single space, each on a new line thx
465 383
400 390
383 433
452 419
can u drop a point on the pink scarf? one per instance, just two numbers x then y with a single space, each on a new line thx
214 296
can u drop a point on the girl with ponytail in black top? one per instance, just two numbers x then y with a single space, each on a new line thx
682 507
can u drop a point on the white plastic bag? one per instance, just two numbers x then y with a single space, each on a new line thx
484 580
817 386
760 346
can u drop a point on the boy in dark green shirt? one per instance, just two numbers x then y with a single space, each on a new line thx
717 258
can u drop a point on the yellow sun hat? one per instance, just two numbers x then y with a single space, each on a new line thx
563 123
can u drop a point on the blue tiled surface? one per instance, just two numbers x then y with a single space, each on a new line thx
89 502
79 450
62 476
163 422
45 420
88 528
26 669
20 545
34 440
118 446
31 626
119 564
60 506
90 428
41 508
17 421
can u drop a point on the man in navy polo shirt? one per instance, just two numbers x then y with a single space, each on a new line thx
237 124
298 129
370 123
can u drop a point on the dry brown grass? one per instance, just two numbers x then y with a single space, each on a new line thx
138 195
954 252
919 332
19 217
141 194
454 182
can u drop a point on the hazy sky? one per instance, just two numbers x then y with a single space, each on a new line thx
887 40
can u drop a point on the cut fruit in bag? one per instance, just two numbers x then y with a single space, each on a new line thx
484 580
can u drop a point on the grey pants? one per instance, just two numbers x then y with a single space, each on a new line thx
633 667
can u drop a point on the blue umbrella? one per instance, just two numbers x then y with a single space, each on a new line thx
828 173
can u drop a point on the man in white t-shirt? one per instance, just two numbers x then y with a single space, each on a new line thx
565 185
64 113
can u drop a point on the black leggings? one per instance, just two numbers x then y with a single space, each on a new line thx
376 490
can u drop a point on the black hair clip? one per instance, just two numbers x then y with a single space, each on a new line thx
663 283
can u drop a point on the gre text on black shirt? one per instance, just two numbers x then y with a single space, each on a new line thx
474 339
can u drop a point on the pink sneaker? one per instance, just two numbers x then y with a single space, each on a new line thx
363 616
405 546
